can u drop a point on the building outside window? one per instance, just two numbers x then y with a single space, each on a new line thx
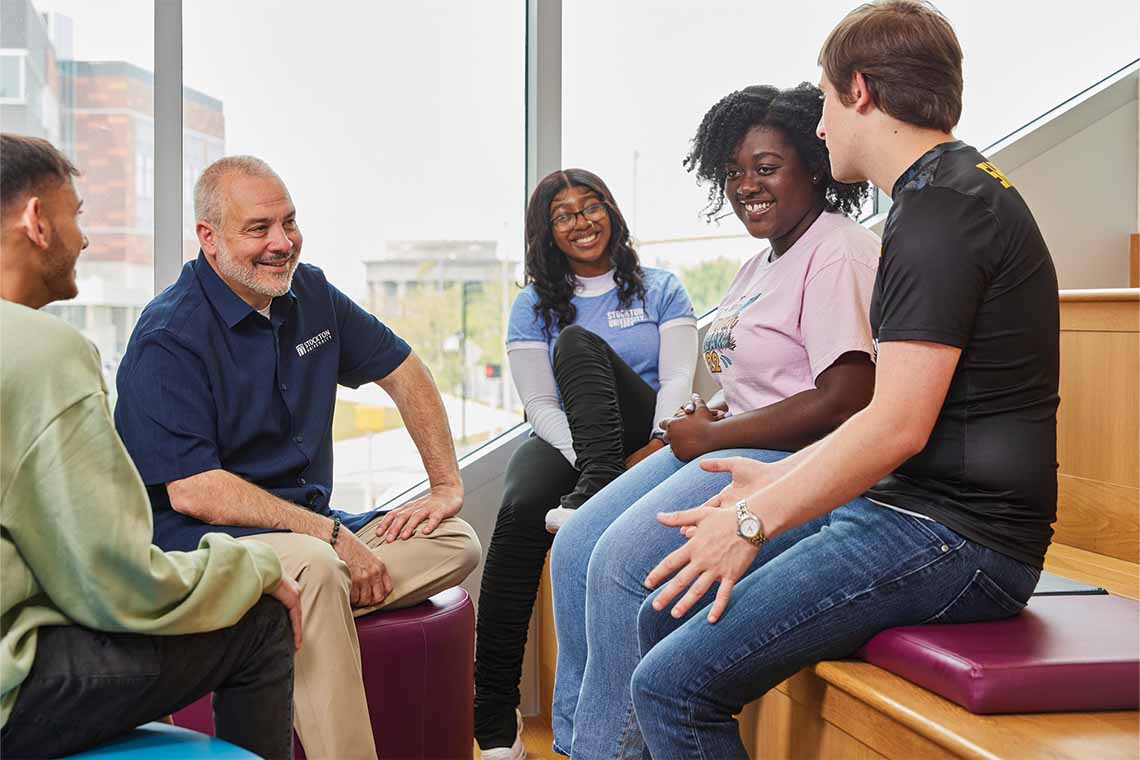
98 107
11 77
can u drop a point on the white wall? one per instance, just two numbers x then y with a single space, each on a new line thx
1083 193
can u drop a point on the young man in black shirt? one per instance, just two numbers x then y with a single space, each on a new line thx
934 503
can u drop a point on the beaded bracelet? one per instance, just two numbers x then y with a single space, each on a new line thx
336 530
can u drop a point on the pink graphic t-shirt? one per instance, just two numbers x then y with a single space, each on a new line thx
784 322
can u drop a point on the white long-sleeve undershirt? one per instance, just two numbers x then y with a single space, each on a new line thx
676 361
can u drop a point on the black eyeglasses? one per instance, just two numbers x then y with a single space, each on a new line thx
595 212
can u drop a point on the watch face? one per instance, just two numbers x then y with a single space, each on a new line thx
750 527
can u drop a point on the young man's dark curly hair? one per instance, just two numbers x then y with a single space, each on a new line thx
796 113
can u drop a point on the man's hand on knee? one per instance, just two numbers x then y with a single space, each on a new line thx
371 583
440 503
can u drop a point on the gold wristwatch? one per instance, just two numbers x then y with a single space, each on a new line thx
748 525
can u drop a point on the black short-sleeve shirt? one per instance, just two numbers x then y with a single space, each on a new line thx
208 383
965 265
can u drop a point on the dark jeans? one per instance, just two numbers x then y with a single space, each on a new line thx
87 687
610 410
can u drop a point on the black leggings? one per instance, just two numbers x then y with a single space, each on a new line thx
610 411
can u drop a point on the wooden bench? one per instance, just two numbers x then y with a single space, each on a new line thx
849 709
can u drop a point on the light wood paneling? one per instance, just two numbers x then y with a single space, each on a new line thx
1099 315
1115 575
1075 736
1134 261
1098 517
788 730
1092 295
867 725
548 641
1098 425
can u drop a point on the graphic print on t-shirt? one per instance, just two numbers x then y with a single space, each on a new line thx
719 340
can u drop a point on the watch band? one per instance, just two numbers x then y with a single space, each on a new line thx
743 514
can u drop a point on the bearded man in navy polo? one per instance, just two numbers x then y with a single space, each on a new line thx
226 397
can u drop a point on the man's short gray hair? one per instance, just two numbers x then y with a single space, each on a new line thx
209 190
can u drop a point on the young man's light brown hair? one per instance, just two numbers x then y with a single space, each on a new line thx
909 56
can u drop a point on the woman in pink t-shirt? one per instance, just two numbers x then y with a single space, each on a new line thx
791 348
790 344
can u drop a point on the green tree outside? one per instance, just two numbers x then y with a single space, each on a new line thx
707 282
431 321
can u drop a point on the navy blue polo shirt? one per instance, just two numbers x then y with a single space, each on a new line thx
207 382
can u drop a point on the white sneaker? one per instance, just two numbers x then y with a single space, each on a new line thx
514 752
557 517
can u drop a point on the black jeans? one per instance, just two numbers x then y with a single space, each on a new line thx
610 411
87 687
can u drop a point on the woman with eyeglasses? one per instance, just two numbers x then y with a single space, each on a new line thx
790 346
599 348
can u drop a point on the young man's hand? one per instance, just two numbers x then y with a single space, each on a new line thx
289 594
714 554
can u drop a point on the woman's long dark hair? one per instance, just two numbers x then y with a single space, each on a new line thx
547 267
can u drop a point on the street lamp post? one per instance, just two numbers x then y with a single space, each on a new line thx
475 286
463 365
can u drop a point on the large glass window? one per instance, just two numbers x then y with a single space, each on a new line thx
638 75
87 86
399 130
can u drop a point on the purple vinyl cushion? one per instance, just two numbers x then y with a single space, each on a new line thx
418 666
1062 653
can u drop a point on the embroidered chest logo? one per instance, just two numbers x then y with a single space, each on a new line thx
719 339
626 317
313 343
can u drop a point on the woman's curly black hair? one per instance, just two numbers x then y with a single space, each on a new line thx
796 113
547 266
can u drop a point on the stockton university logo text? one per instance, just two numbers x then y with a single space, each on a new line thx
625 317
314 342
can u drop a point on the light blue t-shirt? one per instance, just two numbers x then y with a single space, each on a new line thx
632 332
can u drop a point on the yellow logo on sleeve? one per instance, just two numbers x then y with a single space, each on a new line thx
995 172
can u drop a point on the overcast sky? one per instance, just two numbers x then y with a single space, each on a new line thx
395 120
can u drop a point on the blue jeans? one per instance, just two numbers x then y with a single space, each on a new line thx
595 664
816 592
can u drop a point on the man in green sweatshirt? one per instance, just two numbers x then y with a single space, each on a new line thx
101 631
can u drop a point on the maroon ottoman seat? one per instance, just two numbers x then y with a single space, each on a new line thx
418 674
1062 653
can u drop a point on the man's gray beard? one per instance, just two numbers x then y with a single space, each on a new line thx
248 277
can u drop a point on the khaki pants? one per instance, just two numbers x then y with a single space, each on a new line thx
330 712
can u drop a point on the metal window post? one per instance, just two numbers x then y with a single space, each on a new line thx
543 89
167 142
